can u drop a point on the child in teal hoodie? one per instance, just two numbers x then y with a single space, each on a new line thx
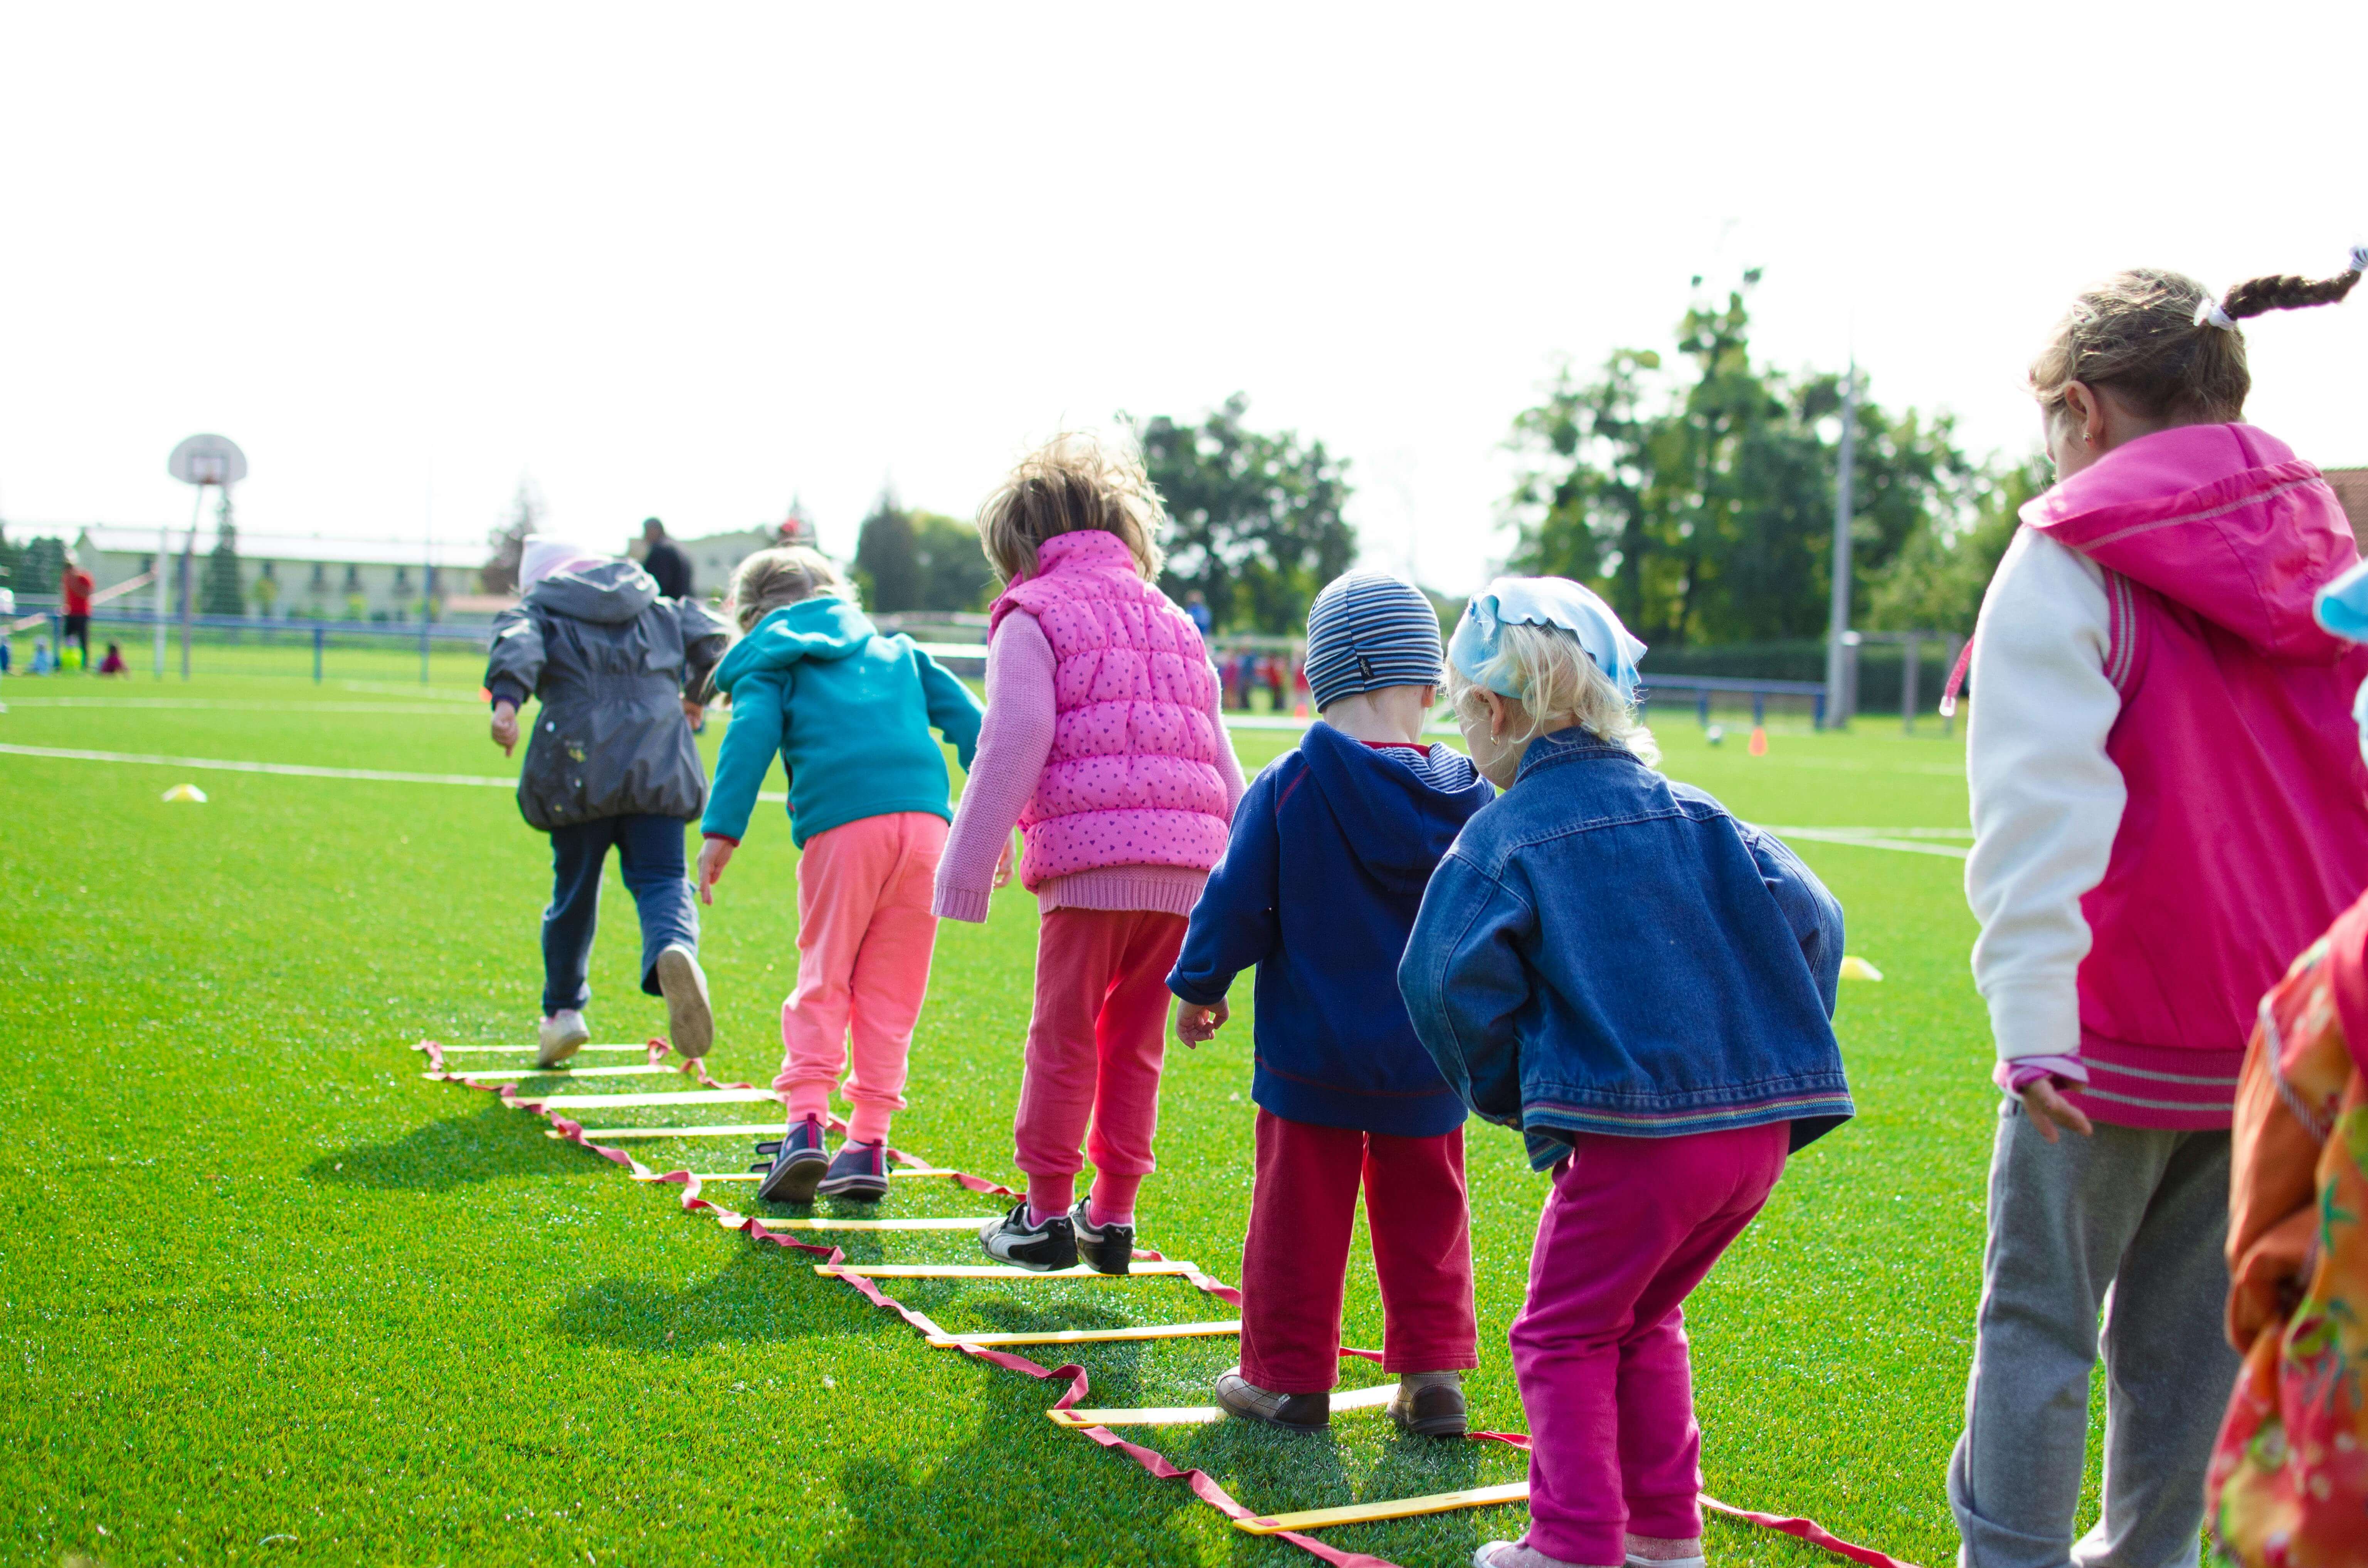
850 711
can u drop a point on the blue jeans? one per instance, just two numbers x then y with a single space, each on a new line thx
649 852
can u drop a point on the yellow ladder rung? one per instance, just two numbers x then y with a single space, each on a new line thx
989 1270
1195 1415
1403 1508
1094 1335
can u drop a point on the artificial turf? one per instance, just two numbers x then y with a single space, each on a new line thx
268 1294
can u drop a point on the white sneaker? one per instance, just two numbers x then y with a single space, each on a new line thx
691 1022
561 1033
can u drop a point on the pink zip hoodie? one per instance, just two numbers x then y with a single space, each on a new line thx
2244 827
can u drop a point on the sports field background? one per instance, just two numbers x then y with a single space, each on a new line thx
262 1281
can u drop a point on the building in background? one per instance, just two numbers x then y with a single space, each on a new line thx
298 578
714 557
2351 489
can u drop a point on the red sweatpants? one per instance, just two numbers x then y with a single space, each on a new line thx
1095 1048
1295 1261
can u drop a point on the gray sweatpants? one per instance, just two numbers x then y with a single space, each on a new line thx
2129 1223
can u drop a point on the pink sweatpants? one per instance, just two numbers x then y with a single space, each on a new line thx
1095 1049
864 936
1599 1348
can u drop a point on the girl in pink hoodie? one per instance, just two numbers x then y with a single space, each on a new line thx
2166 788
1103 741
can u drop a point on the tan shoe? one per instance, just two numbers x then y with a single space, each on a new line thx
559 1036
691 1022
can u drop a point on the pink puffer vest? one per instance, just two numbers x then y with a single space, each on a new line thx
2245 832
1132 775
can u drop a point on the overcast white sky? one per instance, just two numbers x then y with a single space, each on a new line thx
691 260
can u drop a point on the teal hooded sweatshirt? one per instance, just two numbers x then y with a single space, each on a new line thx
850 711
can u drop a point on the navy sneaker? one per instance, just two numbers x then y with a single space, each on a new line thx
797 1165
1110 1248
1044 1247
859 1172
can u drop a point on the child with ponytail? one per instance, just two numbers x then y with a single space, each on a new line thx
1104 742
1642 986
2166 795
848 711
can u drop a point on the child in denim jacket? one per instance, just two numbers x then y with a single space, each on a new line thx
1643 987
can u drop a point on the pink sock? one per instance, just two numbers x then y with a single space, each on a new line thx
1050 1195
809 1100
1112 1201
868 1123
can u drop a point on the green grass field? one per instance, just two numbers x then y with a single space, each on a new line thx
270 1295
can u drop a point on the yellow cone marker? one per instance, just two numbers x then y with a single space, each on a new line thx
1856 968
188 792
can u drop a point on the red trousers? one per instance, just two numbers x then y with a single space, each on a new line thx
1295 1261
1095 1046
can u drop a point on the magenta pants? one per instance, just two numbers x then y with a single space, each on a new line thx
864 937
1599 1348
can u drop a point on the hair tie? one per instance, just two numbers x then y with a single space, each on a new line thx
2358 259
2208 309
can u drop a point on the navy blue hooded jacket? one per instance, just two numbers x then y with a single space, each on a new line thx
1331 848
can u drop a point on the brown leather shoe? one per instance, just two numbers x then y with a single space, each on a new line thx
1291 1412
1434 1410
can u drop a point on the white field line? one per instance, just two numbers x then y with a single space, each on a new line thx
205 704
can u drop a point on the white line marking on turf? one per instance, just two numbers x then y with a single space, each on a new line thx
290 769
1877 838
204 705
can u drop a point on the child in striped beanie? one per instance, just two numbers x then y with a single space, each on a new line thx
1324 869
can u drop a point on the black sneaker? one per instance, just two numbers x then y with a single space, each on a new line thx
859 1172
1043 1248
798 1164
1109 1248
1291 1412
1430 1409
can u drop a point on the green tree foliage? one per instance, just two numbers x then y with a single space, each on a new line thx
907 559
506 539
218 591
1257 517
1698 492
1938 578
35 566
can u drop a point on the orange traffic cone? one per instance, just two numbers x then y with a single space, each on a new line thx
1758 746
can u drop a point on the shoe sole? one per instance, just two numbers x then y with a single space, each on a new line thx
1094 1258
1437 1426
691 1022
795 1182
1239 1414
559 1050
868 1188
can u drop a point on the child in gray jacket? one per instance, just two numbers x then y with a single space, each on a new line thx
610 762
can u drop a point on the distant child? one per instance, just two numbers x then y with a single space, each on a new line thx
2166 794
848 711
1643 986
1331 848
113 663
611 763
1104 742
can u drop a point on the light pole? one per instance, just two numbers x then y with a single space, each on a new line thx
201 460
1837 635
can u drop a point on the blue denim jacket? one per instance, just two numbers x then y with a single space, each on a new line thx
1603 951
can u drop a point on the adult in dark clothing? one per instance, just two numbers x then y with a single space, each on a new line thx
610 762
663 562
77 586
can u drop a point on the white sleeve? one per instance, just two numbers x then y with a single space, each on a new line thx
2047 799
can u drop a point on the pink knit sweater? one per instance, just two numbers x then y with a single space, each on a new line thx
1014 743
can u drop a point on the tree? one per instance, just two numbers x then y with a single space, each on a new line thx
1703 504
954 573
1257 517
34 567
888 557
218 592
500 572
1937 580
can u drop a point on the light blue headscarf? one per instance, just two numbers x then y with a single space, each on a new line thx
2342 607
1543 601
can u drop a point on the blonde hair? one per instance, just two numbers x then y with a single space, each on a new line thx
1554 678
1075 482
783 575
2147 335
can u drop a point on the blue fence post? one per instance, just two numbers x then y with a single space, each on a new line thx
318 634
1758 708
1701 707
1820 716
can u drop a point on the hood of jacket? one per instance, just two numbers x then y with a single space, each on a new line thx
1400 819
611 593
2223 519
824 627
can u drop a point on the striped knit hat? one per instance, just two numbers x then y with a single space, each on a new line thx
1367 631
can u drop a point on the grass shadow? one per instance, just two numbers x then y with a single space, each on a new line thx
458 1152
753 1300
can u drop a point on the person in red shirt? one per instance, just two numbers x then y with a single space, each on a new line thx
76 585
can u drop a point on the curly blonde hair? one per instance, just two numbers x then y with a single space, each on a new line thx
782 576
1075 482
1558 684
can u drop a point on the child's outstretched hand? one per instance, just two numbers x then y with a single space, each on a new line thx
1007 863
713 856
505 727
1195 1023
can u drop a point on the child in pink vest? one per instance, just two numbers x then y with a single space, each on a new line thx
2166 789
1103 741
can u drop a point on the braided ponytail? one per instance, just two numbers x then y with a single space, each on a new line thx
2282 291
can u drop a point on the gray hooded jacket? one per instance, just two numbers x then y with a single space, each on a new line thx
610 660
